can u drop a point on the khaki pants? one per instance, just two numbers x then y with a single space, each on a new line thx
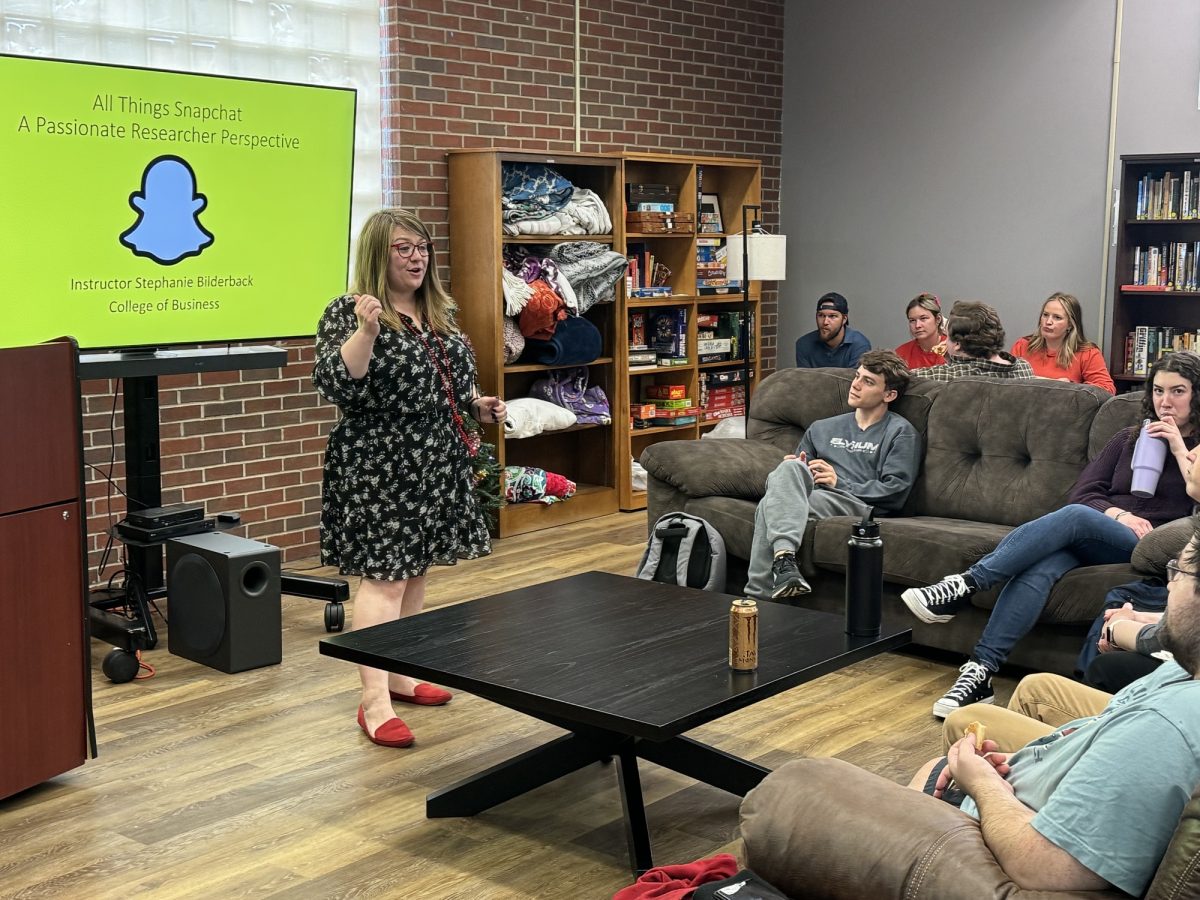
1042 703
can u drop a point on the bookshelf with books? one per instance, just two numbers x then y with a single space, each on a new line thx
586 454
703 197
1156 291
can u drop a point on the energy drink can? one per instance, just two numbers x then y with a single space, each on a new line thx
743 636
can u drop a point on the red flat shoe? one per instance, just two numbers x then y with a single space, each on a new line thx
392 733
424 695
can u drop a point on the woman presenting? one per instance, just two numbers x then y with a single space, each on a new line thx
398 491
1101 524
1060 350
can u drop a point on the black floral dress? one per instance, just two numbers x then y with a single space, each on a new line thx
397 496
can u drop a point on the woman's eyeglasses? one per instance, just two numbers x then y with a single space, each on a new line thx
1173 570
406 250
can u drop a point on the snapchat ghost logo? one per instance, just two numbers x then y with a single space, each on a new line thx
167 229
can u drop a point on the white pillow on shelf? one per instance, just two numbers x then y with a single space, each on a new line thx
528 416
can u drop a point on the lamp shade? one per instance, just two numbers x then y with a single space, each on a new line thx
768 257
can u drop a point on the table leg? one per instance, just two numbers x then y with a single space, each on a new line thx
518 775
637 830
704 763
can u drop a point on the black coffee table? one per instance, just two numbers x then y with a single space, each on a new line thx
626 666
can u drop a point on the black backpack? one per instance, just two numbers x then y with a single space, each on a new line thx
684 550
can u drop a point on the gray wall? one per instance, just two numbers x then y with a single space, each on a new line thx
956 146
1159 82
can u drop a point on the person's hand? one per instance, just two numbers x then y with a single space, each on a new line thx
1136 524
490 409
823 473
790 456
1166 429
367 310
1128 612
970 766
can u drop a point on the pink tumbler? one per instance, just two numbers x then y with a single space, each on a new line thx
1149 454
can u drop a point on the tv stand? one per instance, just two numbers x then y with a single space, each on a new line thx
140 371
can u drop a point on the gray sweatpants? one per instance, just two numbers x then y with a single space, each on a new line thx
792 499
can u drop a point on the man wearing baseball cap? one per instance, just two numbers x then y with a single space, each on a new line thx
834 343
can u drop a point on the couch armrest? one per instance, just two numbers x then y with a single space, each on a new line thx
720 467
827 830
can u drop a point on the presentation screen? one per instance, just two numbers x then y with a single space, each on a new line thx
144 208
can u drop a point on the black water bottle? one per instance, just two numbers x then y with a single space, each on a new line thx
864 578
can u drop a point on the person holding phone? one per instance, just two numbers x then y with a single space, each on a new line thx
398 493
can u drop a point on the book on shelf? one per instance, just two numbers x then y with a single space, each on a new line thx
1147 344
714 345
643 358
658 421
643 410
680 403
681 412
1172 196
674 361
656 207
713 357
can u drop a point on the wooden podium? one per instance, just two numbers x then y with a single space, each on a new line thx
46 701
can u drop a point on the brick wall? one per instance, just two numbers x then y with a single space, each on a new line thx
674 75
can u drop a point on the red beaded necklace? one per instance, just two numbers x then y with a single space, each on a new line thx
469 438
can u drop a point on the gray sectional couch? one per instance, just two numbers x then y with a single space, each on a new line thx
996 454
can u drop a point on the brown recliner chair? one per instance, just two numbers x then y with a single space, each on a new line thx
823 829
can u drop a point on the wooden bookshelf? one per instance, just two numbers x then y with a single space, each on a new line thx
597 458
1178 309
734 182
585 454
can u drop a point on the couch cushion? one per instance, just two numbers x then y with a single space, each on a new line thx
1003 452
792 399
916 551
1116 413
729 467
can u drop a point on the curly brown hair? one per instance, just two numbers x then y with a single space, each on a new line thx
976 328
888 366
1181 362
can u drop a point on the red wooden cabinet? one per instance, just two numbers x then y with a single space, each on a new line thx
44 682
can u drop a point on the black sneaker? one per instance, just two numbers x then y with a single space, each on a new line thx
939 602
786 578
974 685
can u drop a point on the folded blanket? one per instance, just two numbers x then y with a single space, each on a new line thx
526 484
585 214
575 342
516 292
569 389
528 416
592 269
532 190
543 313
514 341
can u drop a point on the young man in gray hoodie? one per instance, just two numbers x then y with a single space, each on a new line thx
845 465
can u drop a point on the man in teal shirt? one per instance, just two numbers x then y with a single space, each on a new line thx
1095 803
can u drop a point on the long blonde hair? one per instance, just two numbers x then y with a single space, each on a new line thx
371 261
1073 341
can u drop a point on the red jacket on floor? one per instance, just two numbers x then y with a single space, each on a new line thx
678 882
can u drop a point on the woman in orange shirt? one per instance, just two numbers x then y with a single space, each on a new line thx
928 330
1059 349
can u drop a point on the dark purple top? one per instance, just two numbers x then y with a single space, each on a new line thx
1107 480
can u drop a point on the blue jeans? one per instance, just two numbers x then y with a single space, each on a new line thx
1032 557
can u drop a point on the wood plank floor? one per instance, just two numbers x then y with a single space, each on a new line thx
214 785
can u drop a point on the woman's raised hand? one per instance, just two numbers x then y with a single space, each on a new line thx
367 310
1168 430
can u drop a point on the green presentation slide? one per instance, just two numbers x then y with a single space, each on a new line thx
146 208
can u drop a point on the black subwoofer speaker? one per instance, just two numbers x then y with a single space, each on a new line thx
223 601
